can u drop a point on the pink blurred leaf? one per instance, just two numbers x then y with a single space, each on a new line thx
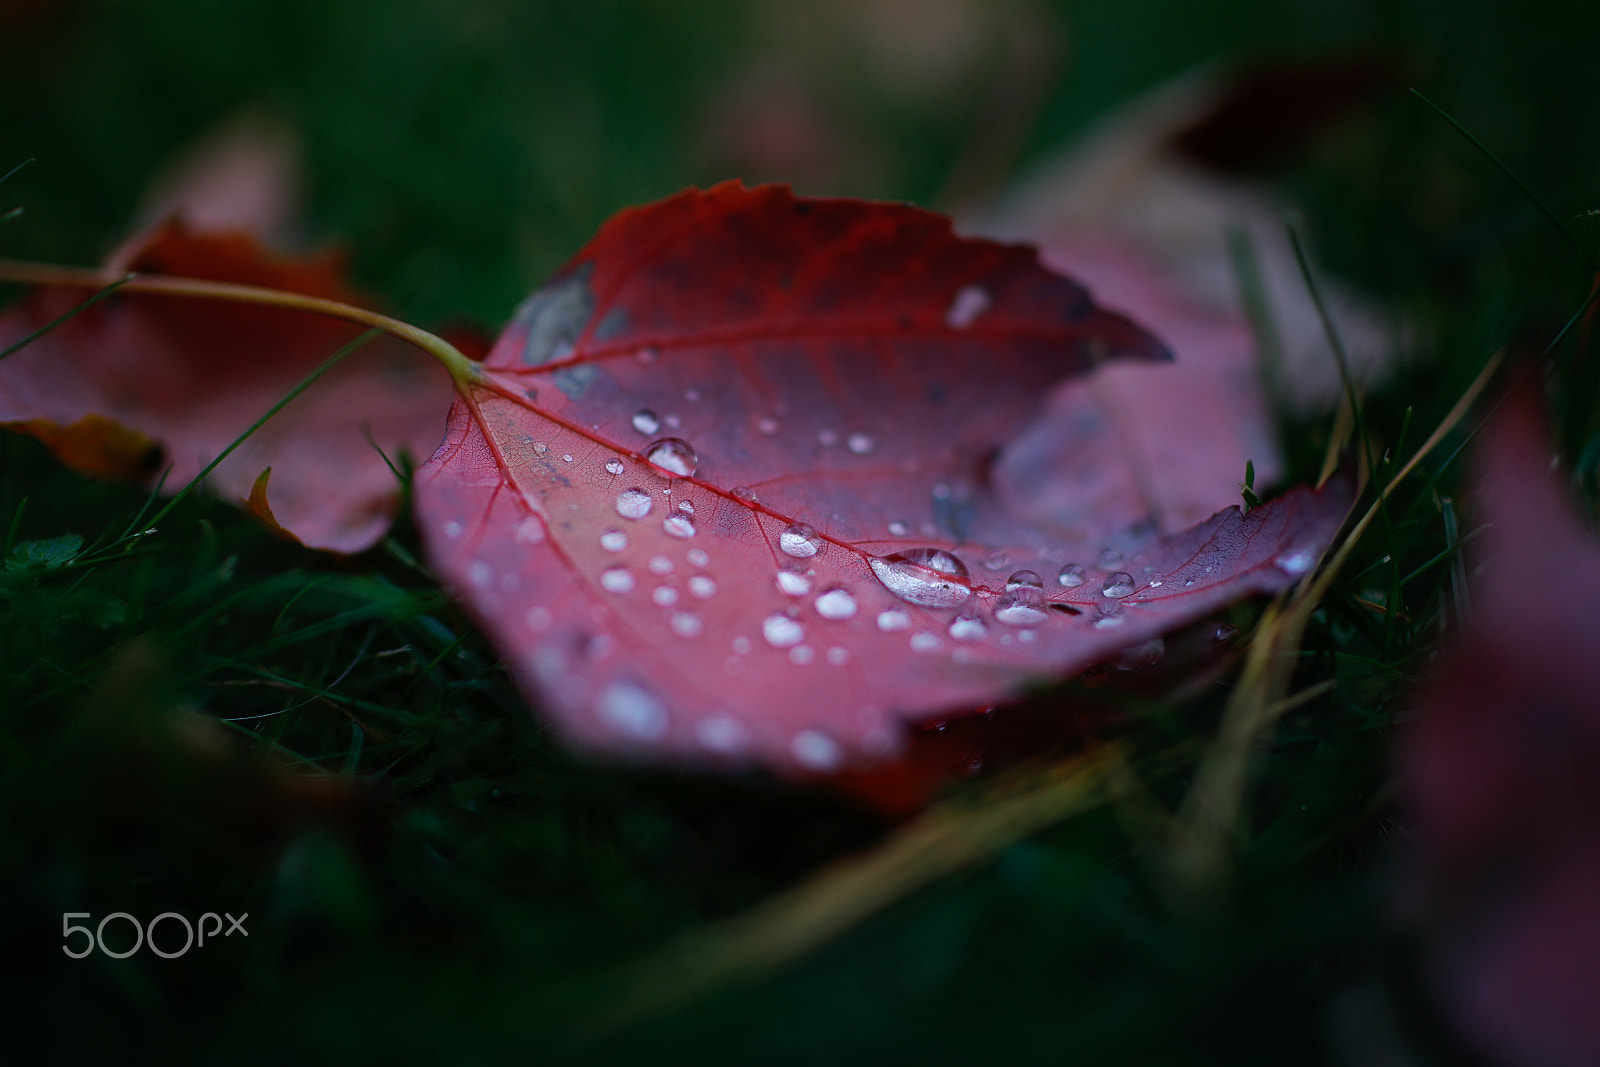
727 488
1500 770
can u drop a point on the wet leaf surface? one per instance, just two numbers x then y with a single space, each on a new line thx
727 489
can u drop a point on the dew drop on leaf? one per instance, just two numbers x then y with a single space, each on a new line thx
816 751
1108 559
702 587
615 540
632 712
968 628
646 421
685 624
673 457
1117 583
970 302
614 466
1072 575
931 577
678 525
697 557
835 603
781 631
1296 562
633 503
861 444
616 580
800 540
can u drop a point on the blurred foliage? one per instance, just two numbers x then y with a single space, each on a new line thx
449 885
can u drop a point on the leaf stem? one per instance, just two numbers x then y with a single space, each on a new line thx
461 369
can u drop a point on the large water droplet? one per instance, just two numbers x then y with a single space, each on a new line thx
1117 583
634 503
678 524
646 421
931 577
968 628
616 580
1072 575
633 712
800 540
793 581
835 603
673 457
614 540
1024 580
782 631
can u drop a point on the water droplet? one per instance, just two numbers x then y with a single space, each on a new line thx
685 624
614 540
899 529
1024 580
1224 632
782 631
816 751
827 438
997 559
835 603
1108 559
678 525
767 426
970 301
633 712
891 619
1117 583
646 421
614 466
672 422
664 596
540 448
802 655
691 394
538 617
697 557
793 581
660 565
616 580
926 641
479 573
702 587
452 529
968 628
722 734
1022 604
633 503
861 444
1107 622
1297 562
800 540
673 457
567 458
686 506
927 576
744 492
1072 575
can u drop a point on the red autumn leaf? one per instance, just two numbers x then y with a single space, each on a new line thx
1500 771
191 375
724 487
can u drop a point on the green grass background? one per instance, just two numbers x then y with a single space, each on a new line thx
471 891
